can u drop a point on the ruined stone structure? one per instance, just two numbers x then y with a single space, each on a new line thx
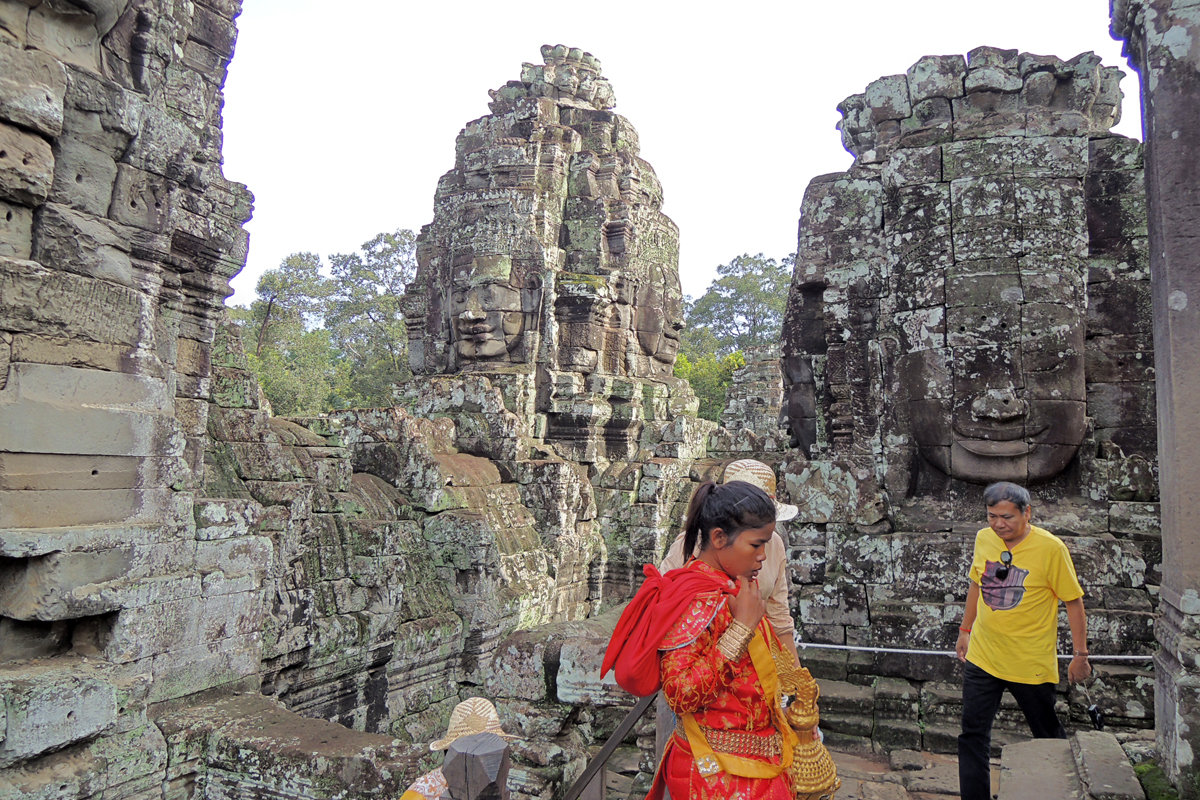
198 598
971 303
752 421
1161 40
165 542
550 271
118 236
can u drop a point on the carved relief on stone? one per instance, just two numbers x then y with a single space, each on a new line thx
549 255
488 306
938 313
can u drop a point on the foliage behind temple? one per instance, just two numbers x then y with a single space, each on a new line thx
324 337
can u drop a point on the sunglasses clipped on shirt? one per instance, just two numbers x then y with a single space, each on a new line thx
1005 563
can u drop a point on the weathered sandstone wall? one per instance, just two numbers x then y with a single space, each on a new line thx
970 303
1162 41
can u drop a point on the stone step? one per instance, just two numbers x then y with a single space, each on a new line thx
1037 769
1104 768
1091 765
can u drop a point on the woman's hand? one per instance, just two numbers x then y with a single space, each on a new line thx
747 606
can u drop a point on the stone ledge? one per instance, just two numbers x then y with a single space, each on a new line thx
1104 768
254 743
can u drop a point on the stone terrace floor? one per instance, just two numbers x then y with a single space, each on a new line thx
904 775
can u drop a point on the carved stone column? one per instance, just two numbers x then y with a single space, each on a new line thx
1163 44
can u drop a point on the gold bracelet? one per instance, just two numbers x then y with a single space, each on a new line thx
735 640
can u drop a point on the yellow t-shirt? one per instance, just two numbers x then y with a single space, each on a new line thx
1015 635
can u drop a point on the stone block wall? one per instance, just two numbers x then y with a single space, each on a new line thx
971 303
118 236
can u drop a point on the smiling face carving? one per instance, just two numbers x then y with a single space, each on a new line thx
1010 380
486 318
486 309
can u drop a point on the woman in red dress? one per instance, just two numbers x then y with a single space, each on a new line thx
703 627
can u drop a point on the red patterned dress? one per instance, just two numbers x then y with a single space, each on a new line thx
728 743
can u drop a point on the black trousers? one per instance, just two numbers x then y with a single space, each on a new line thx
980 702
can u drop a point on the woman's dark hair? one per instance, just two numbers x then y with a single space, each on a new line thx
733 507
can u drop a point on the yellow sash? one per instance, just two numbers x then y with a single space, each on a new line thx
710 762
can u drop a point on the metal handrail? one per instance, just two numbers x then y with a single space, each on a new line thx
601 758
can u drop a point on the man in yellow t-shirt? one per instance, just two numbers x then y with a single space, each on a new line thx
1010 640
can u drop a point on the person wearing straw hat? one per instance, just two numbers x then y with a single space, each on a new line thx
772 578
471 716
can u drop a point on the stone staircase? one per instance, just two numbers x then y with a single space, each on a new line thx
1091 765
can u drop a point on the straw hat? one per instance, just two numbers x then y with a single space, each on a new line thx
762 476
473 715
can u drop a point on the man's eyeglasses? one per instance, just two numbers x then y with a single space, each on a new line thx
1005 563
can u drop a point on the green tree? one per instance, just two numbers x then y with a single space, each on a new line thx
295 290
742 308
336 338
364 315
300 373
710 377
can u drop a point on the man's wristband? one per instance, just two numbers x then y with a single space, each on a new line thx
1083 653
964 630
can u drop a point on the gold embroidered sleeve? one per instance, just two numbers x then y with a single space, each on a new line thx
694 676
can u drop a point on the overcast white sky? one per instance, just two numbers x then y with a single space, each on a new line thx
341 117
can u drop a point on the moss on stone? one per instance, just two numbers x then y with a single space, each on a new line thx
1155 782
583 279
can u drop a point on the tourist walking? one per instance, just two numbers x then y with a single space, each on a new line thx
701 634
1010 640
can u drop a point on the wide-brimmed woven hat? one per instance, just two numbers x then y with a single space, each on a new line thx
473 715
762 476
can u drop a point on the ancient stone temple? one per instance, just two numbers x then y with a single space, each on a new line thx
971 303
200 600
549 252
196 596
550 272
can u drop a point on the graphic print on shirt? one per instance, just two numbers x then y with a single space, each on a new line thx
1002 595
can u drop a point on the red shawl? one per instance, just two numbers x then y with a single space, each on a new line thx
632 652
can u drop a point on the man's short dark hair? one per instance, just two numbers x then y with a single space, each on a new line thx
1003 490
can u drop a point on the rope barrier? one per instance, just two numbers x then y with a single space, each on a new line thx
907 651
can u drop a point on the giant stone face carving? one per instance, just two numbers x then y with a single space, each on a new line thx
1004 397
485 308
939 310
549 257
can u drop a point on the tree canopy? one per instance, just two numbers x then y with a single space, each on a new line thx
743 308
329 336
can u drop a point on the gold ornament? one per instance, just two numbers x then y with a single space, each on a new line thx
813 775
